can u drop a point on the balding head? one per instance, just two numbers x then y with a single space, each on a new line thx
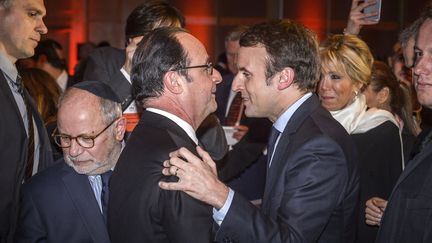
97 123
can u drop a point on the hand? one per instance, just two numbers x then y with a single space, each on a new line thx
130 50
357 18
197 177
240 131
375 208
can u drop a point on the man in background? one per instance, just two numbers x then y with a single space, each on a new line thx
113 66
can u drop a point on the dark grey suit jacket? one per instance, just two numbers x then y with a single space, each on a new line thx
408 216
139 211
311 189
58 205
13 154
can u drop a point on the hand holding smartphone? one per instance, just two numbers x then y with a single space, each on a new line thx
374 10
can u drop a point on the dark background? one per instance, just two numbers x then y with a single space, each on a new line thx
72 22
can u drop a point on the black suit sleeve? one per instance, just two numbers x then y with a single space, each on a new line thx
185 219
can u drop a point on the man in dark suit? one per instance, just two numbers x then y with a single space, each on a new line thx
49 56
25 147
68 201
408 212
312 183
113 66
174 80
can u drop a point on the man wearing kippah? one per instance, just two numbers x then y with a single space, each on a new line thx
68 201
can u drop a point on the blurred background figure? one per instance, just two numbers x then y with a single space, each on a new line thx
49 56
385 92
44 90
346 70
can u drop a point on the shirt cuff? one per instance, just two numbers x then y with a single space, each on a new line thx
127 76
219 215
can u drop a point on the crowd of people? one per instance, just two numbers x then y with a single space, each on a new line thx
283 140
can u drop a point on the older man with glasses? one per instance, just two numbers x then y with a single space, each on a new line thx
174 81
68 201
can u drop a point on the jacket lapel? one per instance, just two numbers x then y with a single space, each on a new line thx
4 87
85 203
284 148
419 158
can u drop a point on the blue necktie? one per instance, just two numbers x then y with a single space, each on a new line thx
274 134
105 192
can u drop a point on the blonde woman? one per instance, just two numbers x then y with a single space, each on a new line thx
346 70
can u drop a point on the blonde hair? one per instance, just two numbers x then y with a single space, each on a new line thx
350 55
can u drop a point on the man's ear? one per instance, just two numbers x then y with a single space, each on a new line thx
286 78
383 95
173 82
120 128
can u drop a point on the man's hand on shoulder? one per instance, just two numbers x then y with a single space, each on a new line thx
197 177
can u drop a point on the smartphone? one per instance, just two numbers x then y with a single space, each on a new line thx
373 8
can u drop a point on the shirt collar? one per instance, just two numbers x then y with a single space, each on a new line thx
180 122
62 80
7 67
283 120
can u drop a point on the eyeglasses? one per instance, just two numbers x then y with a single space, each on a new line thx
85 141
208 67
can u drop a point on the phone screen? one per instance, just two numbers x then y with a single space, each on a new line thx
373 8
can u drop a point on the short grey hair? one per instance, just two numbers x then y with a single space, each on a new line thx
110 110
5 3
409 32
235 34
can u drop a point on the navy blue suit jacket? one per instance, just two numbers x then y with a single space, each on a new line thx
311 190
58 205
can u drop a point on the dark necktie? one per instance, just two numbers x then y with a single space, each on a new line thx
105 193
31 144
274 134
234 113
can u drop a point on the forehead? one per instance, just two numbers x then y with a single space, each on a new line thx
232 44
424 39
194 48
30 4
80 106
249 57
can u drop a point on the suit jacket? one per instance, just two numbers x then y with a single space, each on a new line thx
104 65
139 211
13 156
311 189
408 216
58 205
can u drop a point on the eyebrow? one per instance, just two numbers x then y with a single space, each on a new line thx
244 69
36 9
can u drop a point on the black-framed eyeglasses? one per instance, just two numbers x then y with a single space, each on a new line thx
85 141
208 67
